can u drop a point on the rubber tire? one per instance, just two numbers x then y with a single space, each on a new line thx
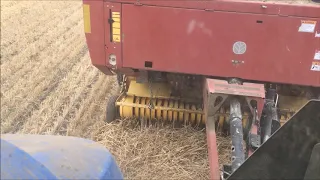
119 79
111 113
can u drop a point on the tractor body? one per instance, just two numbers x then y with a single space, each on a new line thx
238 67
47 157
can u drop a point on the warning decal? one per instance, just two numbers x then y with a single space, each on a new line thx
116 27
315 66
317 55
307 26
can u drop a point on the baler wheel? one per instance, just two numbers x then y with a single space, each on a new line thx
119 79
111 113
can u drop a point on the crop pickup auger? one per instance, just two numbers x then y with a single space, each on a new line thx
244 67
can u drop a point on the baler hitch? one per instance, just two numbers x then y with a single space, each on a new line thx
236 132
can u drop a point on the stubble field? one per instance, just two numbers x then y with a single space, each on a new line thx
48 86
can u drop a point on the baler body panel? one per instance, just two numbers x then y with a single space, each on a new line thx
261 57
198 37
94 14
300 8
112 38
202 42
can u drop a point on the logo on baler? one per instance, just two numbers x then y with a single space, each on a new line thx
239 47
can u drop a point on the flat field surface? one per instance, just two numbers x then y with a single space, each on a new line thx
48 86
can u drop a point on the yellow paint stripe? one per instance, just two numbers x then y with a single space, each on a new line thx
116 19
115 31
116 25
86 18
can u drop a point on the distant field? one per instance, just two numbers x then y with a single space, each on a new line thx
48 86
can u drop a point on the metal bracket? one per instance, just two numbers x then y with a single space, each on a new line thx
226 171
254 141
213 107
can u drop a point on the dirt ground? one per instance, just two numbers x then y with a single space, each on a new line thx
48 86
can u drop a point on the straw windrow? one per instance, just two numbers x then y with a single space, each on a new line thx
160 152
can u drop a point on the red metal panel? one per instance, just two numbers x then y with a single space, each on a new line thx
211 136
112 46
201 42
277 7
247 89
94 39
213 153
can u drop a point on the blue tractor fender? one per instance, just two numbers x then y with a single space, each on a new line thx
55 157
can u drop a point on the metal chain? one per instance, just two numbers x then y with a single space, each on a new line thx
151 105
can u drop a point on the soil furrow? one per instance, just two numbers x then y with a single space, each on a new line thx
10 9
23 71
38 62
9 98
94 104
39 30
67 115
8 4
34 18
72 85
37 45
18 119
77 103
67 100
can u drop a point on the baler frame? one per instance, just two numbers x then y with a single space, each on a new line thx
133 38
158 44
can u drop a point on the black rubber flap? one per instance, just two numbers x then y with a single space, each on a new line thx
313 171
287 153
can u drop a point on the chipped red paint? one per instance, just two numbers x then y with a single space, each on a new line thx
246 89
211 136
